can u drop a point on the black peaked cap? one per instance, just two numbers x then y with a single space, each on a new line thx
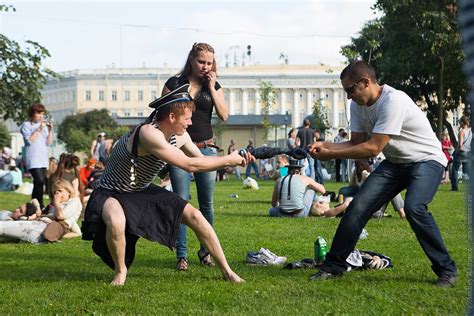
179 94
293 163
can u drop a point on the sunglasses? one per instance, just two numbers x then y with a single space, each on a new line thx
350 90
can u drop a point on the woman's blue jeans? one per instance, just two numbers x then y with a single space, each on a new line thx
421 180
205 182
466 169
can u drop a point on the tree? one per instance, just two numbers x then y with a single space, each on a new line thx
5 138
267 100
415 47
77 131
320 117
22 75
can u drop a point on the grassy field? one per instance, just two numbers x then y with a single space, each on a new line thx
67 278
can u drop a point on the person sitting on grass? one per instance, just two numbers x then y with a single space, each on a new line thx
294 194
361 173
281 166
127 206
66 209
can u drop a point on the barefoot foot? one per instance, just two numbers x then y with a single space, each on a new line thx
234 278
119 279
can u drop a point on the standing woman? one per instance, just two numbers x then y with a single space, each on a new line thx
200 71
462 152
37 135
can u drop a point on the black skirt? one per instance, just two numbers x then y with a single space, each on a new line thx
153 213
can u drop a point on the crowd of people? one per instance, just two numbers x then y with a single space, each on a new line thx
121 203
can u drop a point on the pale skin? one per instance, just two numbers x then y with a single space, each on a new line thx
202 74
153 140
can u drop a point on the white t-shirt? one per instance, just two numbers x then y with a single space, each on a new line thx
395 114
71 210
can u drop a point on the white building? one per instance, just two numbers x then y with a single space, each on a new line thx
125 93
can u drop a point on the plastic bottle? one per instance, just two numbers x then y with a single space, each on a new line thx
341 198
320 249
364 234
233 196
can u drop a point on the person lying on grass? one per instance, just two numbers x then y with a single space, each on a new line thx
66 209
126 205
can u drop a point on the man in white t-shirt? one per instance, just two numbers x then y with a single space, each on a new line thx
386 120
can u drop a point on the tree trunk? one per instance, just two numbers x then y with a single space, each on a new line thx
441 99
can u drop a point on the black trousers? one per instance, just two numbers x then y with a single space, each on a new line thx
338 170
39 180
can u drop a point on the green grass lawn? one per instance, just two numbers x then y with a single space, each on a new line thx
67 278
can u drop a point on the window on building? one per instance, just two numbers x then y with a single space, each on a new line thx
140 95
114 95
88 95
153 95
237 96
342 119
127 95
113 113
456 118
74 96
126 113
101 95
140 113
251 96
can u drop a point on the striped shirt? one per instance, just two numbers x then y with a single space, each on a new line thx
117 174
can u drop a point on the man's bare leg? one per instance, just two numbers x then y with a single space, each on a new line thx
114 219
207 236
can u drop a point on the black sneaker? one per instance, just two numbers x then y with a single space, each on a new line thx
323 275
446 281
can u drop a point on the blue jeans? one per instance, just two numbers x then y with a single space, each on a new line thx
255 169
421 180
310 169
318 171
205 181
308 203
466 169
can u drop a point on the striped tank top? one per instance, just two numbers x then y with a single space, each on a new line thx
118 172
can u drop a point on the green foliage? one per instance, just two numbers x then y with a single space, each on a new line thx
67 278
77 131
22 75
320 117
415 47
5 138
267 100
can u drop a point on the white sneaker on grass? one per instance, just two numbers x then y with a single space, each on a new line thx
264 257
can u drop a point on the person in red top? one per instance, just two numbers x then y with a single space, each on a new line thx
447 150
85 171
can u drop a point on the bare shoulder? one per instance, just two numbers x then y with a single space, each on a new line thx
182 140
151 137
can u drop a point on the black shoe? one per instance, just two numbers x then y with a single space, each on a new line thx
323 275
446 281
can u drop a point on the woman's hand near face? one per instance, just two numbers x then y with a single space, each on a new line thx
211 79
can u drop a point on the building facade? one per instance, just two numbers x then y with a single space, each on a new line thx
126 93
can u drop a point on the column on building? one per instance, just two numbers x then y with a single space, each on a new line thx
309 102
335 112
245 99
257 102
282 101
348 110
231 101
296 108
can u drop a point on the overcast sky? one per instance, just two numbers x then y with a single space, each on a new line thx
97 34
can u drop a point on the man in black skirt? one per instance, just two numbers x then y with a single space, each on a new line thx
127 206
